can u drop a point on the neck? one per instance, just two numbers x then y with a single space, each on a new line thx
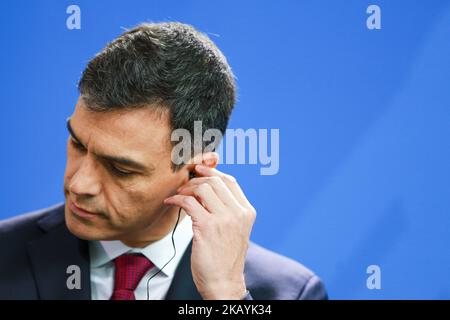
157 230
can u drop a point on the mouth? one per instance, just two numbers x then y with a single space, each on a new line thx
82 213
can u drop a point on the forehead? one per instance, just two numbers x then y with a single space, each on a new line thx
142 133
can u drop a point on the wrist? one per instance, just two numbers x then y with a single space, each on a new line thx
226 291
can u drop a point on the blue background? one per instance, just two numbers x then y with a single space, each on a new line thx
364 119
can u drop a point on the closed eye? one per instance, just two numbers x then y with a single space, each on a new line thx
76 144
112 168
120 172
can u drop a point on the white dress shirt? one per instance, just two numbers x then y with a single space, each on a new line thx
102 254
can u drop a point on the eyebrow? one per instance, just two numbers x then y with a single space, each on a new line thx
119 160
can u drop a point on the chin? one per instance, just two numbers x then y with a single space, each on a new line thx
84 231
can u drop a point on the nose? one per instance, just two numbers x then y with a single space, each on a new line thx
85 182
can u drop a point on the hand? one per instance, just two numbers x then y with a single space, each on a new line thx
222 219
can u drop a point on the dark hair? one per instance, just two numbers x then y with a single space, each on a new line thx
163 65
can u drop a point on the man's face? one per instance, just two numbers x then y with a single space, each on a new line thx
119 168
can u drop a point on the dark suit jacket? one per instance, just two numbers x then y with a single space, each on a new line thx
36 249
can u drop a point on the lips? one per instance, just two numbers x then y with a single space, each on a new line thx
79 211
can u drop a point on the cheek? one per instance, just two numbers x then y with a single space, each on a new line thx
143 199
137 204
134 201
127 205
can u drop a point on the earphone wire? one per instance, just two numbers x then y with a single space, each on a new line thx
173 256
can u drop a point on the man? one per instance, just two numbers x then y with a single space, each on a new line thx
134 225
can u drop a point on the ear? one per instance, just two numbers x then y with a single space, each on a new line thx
208 159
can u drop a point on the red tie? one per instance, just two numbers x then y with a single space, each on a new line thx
130 268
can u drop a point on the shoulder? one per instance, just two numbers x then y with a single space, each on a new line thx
26 226
270 275
17 277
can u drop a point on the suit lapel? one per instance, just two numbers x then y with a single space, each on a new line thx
182 286
50 257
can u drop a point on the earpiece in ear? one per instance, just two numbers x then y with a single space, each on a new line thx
191 175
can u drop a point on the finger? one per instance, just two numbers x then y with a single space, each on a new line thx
205 194
190 205
219 187
230 181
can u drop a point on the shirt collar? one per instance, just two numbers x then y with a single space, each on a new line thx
159 252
